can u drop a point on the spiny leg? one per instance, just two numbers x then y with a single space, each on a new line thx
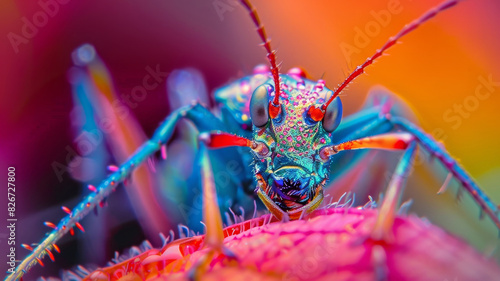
382 230
374 118
386 122
200 116
437 150
426 141
392 198
214 236
393 194
343 169
211 212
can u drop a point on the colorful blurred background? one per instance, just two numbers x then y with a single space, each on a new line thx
437 69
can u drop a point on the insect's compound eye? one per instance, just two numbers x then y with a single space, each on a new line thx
259 106
333 114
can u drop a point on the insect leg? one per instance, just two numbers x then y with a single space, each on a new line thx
372 119
199 115
392 198
388 141
344 169
387 122
382 230
361 124
438 151
214 236
211 213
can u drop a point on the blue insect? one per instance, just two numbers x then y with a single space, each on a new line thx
286 130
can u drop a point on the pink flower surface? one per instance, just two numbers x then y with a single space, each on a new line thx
331 244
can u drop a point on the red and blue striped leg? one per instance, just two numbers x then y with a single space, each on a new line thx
200 116
360 126
438 151
392 198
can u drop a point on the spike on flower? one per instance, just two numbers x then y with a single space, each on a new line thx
56 248
27 247
373 258
80 226
71 231
49 224
40 262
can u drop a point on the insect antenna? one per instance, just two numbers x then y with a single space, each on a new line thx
318 113
274 106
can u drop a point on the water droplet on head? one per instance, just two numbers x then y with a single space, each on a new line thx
297 71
